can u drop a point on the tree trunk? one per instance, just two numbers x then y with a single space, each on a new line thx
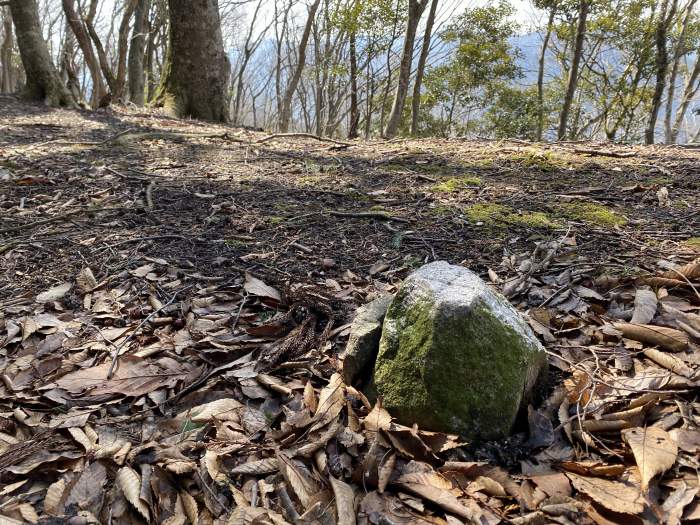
89 22
691 88
43 80
354 109
584 7
196 72
76 24
7 83
122 49
415 102
415 10
285 111
540 75
678 54
67 70
137 50
660 36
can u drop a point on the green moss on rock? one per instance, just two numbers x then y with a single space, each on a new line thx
455 361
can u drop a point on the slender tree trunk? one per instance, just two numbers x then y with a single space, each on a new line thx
285 111
584 7
76 24
415 102
7 83
370 101
89 22
43 80
197 69
137 51
354 109
415 10
540 75
122 49
678 54
67 70
660 36
691 89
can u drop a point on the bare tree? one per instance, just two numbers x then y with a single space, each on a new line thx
420 70
7 80
665 17
137 49
99 93
583 10
43 80
415 10
249 47
540 71
680 51
285 110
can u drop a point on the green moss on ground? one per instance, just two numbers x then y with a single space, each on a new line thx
500 216
546 161
693 242
455 184
592 213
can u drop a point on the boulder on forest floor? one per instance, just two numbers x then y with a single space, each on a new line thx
455 356
363 342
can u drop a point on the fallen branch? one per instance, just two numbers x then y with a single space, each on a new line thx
606 153
379 215
57 218
84 143
149 195
132 134
303 135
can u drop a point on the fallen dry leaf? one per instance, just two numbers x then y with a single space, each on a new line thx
662 336
614 495
654 451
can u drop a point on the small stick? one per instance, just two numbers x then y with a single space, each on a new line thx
304 135
382 216
149 195
56 219
115 355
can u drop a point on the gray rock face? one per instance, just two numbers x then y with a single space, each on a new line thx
363 342
455 356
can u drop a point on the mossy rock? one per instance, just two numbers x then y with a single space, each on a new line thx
455 356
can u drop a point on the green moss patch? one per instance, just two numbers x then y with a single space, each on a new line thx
592 213
500 216
693 242
455 184
546 161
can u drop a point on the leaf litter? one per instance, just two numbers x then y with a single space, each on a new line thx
226 403
190 427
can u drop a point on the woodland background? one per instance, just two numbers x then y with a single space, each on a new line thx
624 70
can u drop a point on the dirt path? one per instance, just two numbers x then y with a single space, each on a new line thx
216 202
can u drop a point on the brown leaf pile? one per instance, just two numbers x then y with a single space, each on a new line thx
190 429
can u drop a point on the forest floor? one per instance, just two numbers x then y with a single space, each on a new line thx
179 252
